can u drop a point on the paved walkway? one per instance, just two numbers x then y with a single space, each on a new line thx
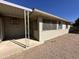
64 47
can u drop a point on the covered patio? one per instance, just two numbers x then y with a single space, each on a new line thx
15 29
14 22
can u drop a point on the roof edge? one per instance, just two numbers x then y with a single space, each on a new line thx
31 10
15 5
37 10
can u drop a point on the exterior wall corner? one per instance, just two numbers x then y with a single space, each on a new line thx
40 28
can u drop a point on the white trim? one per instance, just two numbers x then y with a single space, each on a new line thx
15 5
50 15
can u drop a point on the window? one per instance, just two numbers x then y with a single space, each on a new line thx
49 24
14 21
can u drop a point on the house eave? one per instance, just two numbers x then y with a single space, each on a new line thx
42 12
15 5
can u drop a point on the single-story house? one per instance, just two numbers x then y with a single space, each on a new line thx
21 22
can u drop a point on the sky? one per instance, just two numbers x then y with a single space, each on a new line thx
68 9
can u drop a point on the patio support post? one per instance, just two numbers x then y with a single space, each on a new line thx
25 27
28 28
27 32
28 24
25 24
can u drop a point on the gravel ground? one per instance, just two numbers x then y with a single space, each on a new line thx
63 47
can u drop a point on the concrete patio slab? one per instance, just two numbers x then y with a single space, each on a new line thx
12 47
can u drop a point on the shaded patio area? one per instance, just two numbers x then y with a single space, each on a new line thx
12 47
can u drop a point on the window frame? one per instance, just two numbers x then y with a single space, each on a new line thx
49 25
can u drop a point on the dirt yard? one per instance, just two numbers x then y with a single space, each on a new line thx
64 47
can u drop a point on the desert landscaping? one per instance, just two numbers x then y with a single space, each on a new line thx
63 47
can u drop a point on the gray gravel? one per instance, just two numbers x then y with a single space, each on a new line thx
63 47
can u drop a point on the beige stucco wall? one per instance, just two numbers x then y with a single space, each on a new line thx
50 34
46 35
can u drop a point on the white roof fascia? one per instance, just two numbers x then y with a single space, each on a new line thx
50 14
15 5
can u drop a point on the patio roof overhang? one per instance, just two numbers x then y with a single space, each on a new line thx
14 10
45 15
15 5
11 9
